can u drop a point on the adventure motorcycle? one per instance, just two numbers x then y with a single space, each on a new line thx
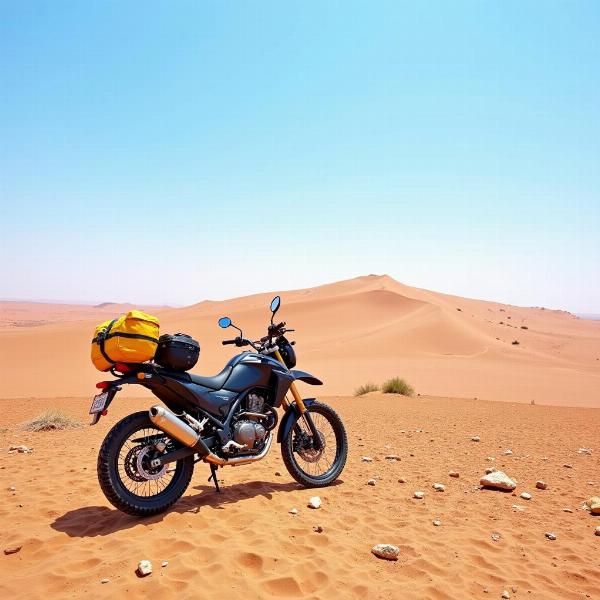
146 461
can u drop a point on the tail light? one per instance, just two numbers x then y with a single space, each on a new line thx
102 385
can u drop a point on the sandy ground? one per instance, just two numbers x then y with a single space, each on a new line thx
365 329
244 542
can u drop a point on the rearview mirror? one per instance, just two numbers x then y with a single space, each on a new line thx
275 304
224 322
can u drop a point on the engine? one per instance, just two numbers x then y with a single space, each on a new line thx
247 433
251 427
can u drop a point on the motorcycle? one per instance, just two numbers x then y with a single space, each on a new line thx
147 459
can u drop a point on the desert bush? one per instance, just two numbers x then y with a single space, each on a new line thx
365 389
396 385
51 420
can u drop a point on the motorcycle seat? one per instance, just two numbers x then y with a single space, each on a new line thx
216 382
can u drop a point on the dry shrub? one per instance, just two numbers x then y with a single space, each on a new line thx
51 420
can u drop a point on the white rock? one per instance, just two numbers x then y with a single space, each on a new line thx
437 523
366 459
105 580
495 537
507 452
293 511
12 488
438 487
505 595
518 507
525 496
541 485
498 480
144 568
165 563
387 551
491 458
475 438
419 495
371 482
21 449
314 502
584 450
454 474
550 536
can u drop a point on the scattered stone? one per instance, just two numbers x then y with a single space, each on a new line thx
277 474
525 496
437 523
165 563
20 449
293 511
366 459
401 480
12 550
438 487
392 457
550 535
490 470
541 485
419 495
597 530
568 510
144 568
505 595
475 438
314 502
594 505
454 474
498 480
491 458
567 466
518 507
513 589
507 452
371 482
105 580
387 551
584 450
495 536
318 529
12 488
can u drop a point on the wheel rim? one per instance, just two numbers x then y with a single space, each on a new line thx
315 464
135 474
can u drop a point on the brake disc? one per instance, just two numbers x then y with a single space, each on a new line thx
311 455
148 472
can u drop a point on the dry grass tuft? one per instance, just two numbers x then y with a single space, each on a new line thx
396 385
51 420
365 389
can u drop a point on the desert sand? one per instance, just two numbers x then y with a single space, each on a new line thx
244 541
364 329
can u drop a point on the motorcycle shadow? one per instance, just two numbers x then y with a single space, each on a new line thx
92 521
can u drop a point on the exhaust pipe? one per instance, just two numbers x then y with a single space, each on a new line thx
168 422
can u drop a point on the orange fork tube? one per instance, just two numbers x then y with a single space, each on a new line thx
293 389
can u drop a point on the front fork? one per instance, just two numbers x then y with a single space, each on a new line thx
304 414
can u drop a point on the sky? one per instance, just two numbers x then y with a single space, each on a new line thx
170 152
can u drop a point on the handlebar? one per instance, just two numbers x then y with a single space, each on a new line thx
227 342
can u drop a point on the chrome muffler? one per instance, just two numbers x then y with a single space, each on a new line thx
168 422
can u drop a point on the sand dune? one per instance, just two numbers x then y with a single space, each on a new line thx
368 328
244 541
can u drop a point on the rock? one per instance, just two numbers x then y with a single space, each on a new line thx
144 568
318 529
12 488
505 595
518 507
454 474
437 523
372 482
277 474
314 502
366 459
12 550
489 470
584 450
392 457
491 458
495 537
498 480
387 551
475 438
293 511
594 505
597 530
165 563
20 449
567 466
438 487
507 452
541 485
550 535
401 480
568 510
525 496
419 495
105 580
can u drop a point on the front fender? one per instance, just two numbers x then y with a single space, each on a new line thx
292 414
306 377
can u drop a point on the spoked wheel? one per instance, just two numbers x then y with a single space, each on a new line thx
316 466
126 477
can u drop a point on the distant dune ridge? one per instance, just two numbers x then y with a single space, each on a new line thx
364 329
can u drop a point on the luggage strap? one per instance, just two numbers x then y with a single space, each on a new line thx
106 335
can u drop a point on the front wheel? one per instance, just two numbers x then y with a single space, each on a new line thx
307 465
126 477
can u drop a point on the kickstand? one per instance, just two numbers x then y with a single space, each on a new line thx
213 476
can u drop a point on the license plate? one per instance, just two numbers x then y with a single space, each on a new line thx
98 403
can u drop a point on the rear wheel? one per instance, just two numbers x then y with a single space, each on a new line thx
306 464
124 472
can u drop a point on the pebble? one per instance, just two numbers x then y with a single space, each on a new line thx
314 502
491 458
20 449
144 568
550 535
498 480
12 488
371 482
401 480
392 457
366 459
12 550
505 595
567 466
387 551
437 523
584 450
475 438
508 452
165 563
597 530
318 529
277 474
105 580
495 537
525 496
419 495
594 505
489 470
438 487
568 510
453 474
541 485
293 511
518 507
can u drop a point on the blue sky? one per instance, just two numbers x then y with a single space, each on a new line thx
169 152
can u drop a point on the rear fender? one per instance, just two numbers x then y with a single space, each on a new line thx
112 387
292 414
